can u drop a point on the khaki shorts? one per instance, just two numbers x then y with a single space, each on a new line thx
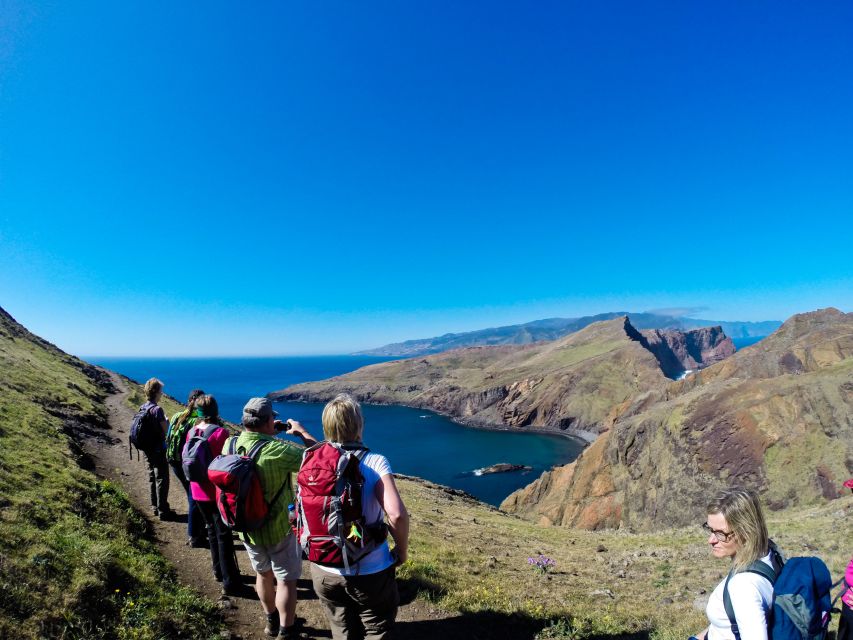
284 558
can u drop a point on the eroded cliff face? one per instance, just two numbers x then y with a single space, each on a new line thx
680 351
776 417
568 385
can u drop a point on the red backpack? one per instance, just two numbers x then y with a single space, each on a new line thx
239 494
330 523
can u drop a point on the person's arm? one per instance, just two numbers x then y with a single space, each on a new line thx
750 604
398 518
296 429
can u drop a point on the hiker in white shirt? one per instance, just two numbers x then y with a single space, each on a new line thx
736 530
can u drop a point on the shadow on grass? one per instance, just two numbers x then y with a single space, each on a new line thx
488 625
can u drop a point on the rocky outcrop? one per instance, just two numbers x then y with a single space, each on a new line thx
680 351
568 385
776 417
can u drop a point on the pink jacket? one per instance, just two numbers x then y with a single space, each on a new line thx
847 598
205 491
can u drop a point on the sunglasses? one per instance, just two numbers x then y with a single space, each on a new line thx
721 536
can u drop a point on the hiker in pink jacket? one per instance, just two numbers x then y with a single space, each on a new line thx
845 623
204 494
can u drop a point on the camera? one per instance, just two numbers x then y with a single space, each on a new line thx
282 426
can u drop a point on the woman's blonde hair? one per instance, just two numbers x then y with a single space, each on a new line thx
209 409
152 388
342 420
743 513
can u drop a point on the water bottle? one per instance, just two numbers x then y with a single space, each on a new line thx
291 515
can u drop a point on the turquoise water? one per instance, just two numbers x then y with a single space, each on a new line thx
417 442
741 343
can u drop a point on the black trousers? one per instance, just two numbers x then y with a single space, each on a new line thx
221 546
158 479
845 624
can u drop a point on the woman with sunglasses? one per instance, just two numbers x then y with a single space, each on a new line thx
737 531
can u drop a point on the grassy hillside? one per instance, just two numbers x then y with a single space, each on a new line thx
75 560
470 558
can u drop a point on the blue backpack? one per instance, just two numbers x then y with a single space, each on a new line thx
801 598
145 432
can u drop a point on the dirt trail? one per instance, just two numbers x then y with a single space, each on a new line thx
243 616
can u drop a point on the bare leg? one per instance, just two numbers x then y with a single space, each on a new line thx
285 602
265 586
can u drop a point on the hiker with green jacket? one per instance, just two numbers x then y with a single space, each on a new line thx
273 550
176 437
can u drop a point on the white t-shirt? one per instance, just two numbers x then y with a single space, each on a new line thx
373 466
752 598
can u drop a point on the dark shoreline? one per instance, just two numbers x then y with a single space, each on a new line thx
582 436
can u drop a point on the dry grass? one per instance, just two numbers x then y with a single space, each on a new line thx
468 557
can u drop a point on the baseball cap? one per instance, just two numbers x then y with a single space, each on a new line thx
258 408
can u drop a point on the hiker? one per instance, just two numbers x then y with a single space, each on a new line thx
845 623
272 548
209 428
155 454
360 601
736 530
176 437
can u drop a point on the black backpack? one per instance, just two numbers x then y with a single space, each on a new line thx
145 432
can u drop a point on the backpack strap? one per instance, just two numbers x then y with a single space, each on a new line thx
759 567
209 431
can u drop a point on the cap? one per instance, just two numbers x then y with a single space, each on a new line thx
258 408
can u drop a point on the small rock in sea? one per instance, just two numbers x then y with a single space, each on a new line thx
666 601
601 548
603 592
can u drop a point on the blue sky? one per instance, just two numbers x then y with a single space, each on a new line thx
201 178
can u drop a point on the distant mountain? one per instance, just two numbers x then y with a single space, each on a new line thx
555 328
566 385
776 417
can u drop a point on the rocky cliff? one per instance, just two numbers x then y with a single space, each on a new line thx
680 351
567 385
777 417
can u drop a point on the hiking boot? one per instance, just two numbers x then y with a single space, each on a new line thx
198 543
291 633
273 627
167 514
239 591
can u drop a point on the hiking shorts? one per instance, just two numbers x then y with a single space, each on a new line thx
284 558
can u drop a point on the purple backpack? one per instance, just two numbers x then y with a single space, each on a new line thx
197 455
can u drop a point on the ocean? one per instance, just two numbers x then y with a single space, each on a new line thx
416 442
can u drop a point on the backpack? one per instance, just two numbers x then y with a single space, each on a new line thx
197 455
239 493
176 437
145 432
330 520
801 598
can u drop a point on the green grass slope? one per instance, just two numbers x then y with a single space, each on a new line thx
469 558
75 559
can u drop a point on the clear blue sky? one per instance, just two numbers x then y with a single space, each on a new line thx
299 177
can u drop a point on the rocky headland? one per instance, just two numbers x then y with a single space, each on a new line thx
777 417
566 386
